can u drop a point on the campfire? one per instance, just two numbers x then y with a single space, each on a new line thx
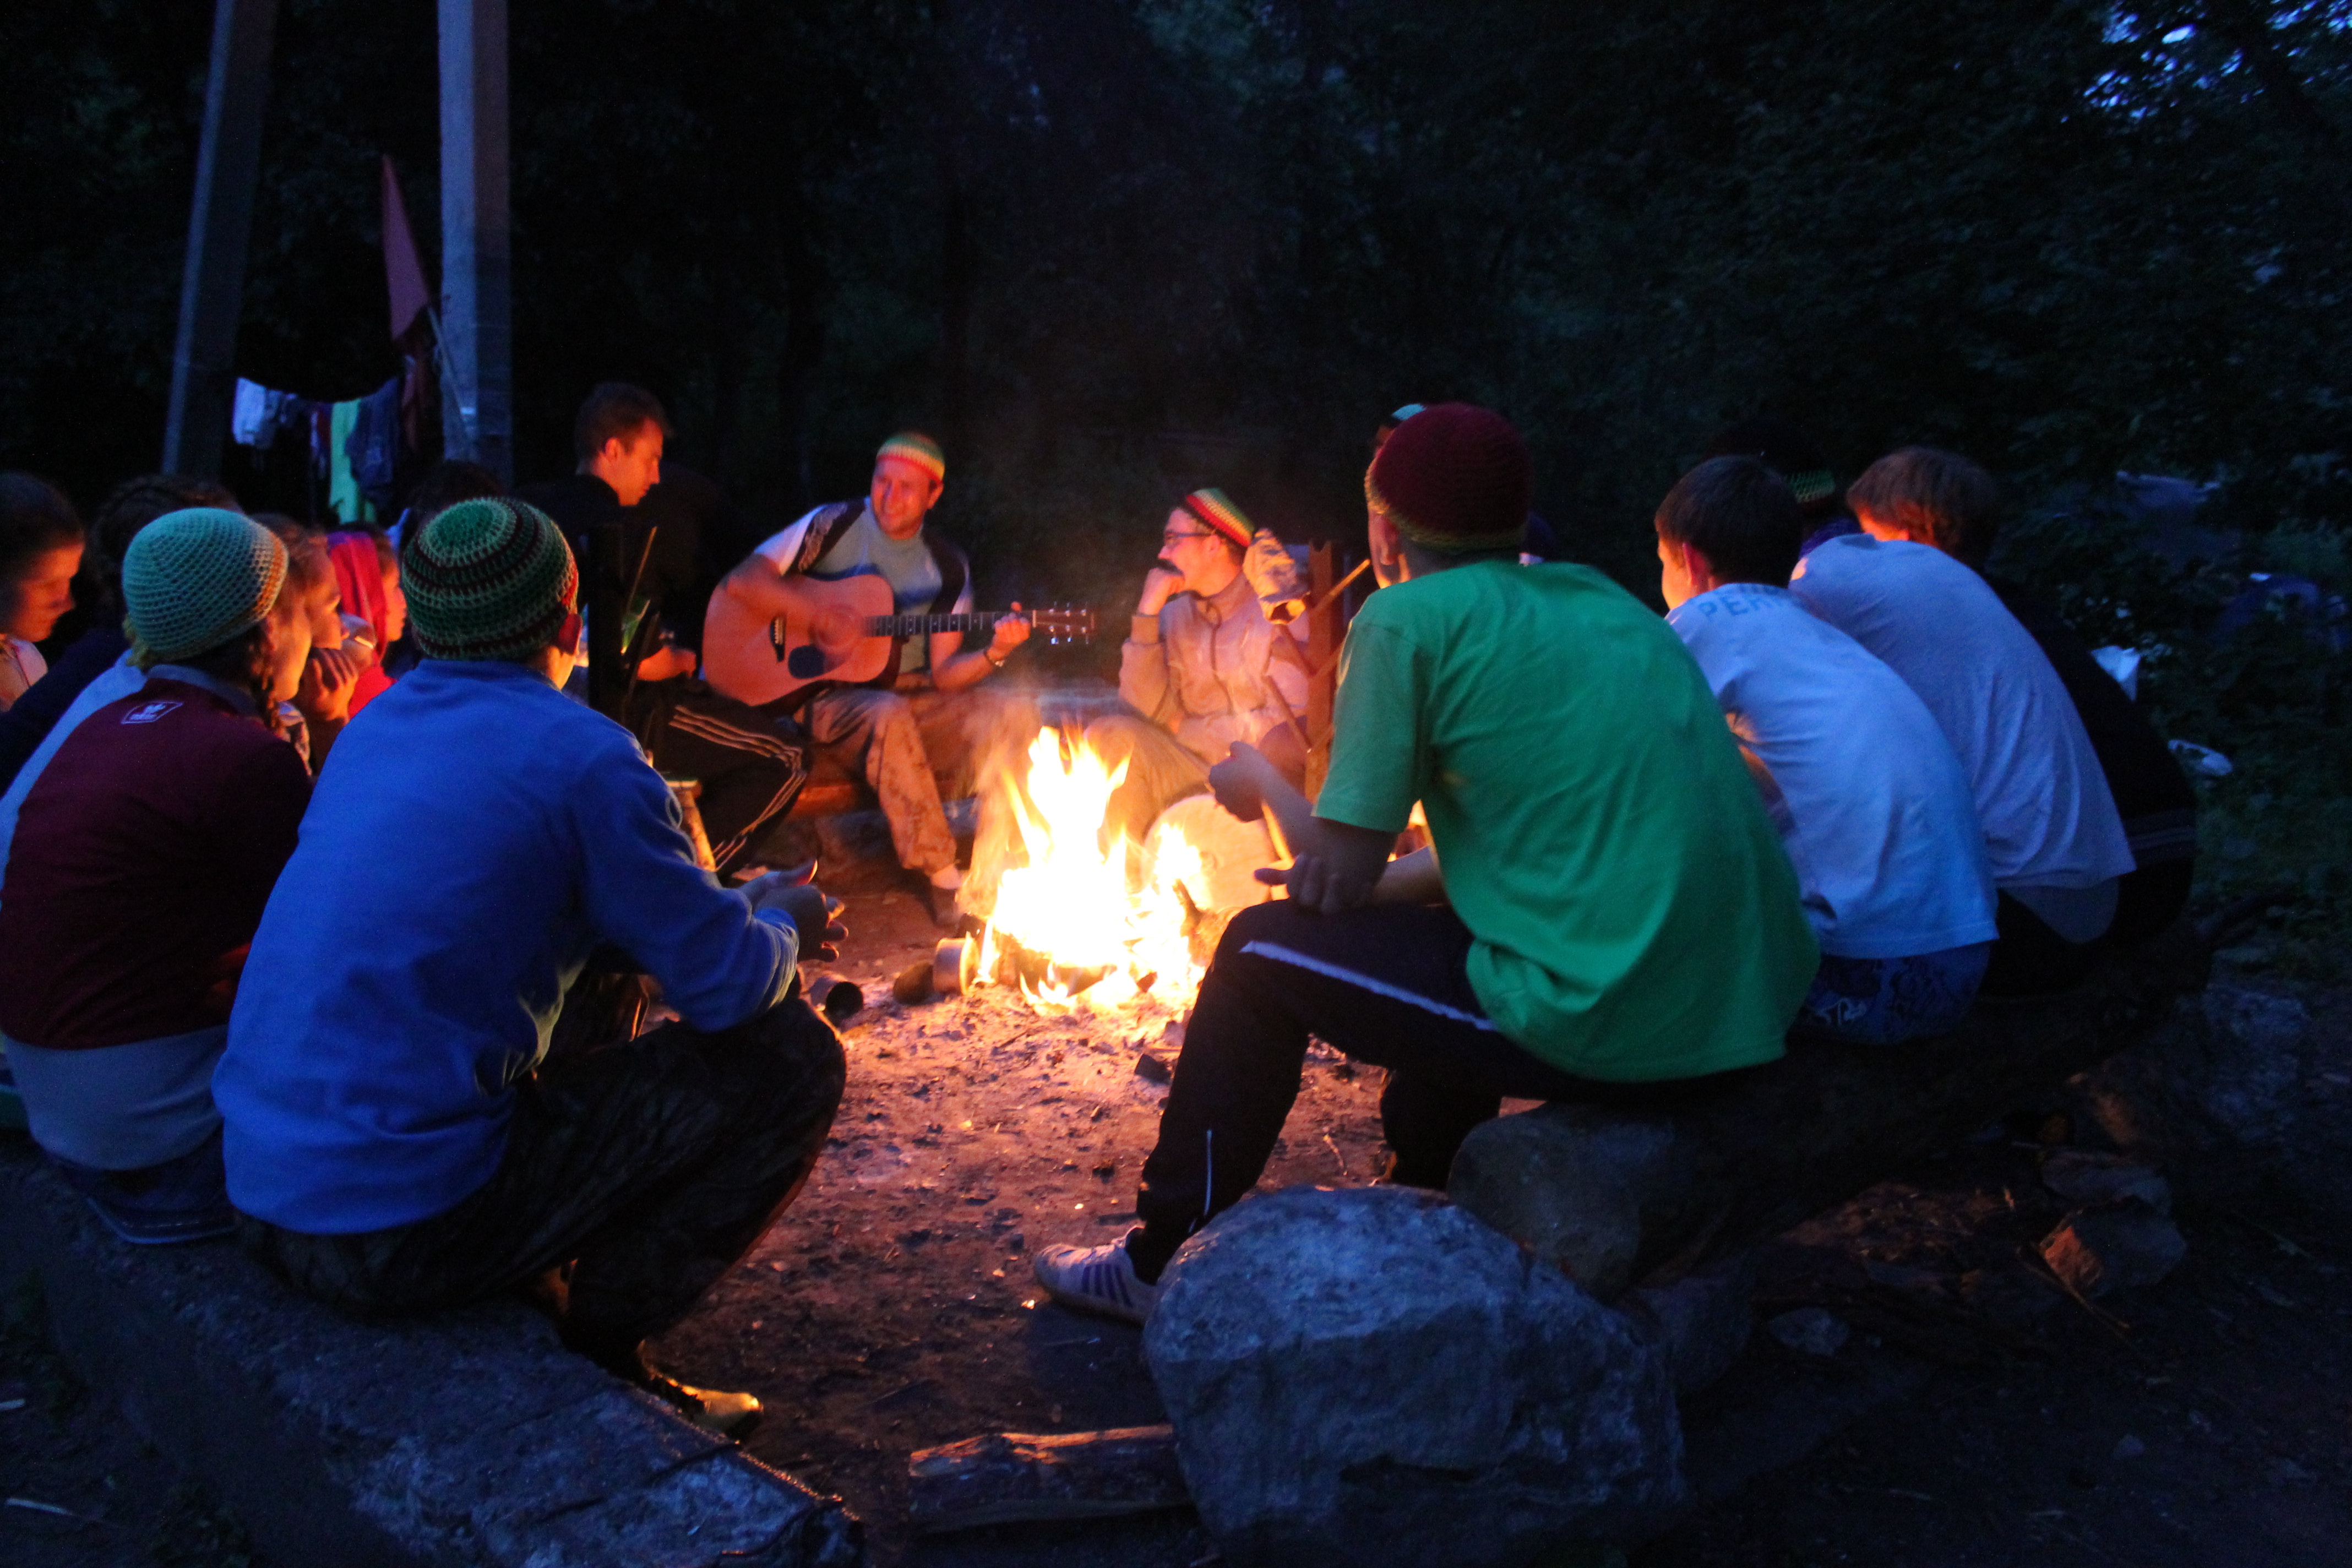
1092 921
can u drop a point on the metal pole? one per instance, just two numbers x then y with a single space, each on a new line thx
476 254
212 288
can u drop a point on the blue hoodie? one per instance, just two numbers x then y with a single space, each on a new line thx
473 835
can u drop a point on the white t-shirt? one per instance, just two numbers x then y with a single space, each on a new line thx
2049 820
1873 805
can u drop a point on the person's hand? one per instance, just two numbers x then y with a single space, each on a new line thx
1272 570
1162 584
815 917
1010 633
329 676
1320 884
666 663
1238 782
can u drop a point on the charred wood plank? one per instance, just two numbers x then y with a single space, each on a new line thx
1001 1478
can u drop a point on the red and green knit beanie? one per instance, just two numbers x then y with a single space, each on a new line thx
1215 508
489 579
914 446
1453 479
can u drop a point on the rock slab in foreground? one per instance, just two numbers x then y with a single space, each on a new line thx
1375 1376
470 1439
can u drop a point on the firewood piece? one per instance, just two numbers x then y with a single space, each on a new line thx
1617 1195
913 984
1000 1478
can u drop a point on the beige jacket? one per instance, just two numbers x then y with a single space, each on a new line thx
1214 670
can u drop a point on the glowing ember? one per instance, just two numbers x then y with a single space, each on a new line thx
1070 928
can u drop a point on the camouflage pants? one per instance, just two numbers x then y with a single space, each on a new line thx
650 1166
907 744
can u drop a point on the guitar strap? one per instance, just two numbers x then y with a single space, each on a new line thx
817 541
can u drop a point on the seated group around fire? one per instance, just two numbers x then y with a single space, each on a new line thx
1846 786
1612 908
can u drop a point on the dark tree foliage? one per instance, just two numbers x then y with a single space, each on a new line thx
1108 248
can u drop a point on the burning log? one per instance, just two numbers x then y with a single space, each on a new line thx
1001 1478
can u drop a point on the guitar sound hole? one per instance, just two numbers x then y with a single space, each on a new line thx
806 662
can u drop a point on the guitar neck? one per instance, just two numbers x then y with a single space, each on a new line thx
924 625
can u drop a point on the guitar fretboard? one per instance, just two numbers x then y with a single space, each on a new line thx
923 625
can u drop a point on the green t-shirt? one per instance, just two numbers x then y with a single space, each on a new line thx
1633 915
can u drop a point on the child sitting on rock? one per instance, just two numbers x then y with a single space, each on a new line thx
143 859
1871 802
2051 832
397 1139
1941 499
1615 920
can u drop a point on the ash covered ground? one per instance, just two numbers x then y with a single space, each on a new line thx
1974 1416
892 1308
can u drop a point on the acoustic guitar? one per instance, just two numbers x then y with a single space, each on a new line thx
850 636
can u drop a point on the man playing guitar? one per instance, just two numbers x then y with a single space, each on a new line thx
927 714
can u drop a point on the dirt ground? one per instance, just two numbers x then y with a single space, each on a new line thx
1976 1416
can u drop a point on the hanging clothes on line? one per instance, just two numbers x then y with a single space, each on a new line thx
345 500
376 443
260 414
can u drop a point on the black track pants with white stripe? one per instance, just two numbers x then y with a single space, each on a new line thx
1385 985
752 765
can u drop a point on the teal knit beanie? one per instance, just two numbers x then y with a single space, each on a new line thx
194 579
489 579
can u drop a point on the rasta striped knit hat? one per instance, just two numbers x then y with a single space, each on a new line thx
195 578
914 446
1453 479
1219 514
489 579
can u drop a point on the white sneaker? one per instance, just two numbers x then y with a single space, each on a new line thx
1095 1279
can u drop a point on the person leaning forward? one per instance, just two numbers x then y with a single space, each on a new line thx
927 714
1615 921
396 1137
750 764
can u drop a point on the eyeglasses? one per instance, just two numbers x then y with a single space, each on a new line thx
1172 536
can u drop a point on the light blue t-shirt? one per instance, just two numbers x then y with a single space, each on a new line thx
2041 798
1869 801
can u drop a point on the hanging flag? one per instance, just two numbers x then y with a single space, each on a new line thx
403 273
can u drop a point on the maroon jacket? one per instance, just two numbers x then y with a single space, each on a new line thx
141 860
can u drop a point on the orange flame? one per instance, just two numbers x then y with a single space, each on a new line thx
1102 943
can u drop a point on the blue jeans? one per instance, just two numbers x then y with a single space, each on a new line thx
182 1199
1885 1000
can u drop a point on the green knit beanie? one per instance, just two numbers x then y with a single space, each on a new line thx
194 579
489 579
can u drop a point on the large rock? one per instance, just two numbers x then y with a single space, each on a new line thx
2257 1057
1375 1376
2224 1067
1702 1320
